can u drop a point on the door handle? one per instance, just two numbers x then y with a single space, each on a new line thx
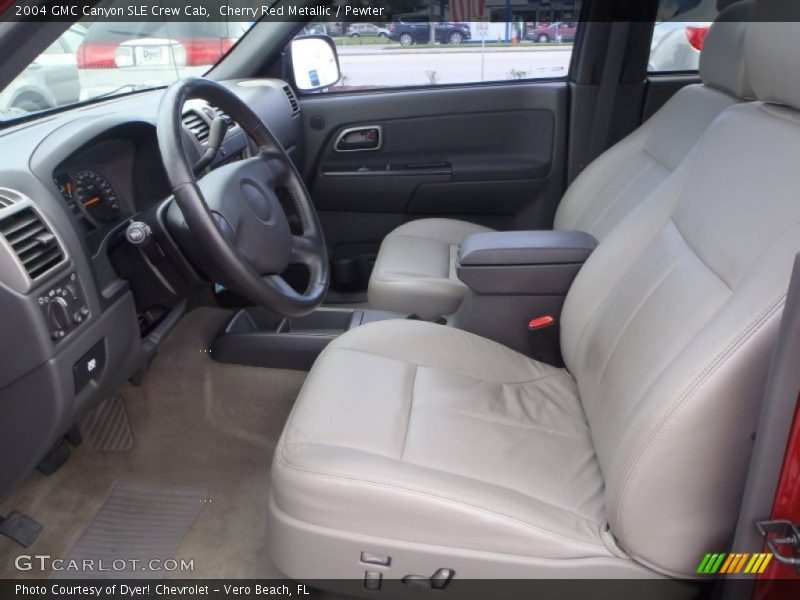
360 139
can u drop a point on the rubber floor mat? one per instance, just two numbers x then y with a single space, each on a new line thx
106 428
134 533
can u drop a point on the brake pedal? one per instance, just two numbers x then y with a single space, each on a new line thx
20 528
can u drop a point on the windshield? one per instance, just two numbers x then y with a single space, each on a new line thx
100 59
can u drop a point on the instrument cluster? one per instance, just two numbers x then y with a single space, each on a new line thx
89 195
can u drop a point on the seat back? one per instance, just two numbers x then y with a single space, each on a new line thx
670 326
619 179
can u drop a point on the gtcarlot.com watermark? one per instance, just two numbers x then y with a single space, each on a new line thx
45 562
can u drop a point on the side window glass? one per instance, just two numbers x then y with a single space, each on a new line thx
459 42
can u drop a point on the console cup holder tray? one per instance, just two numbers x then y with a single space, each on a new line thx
257 337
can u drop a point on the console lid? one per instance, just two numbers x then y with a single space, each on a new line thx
526 248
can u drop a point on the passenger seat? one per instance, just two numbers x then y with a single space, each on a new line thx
415 268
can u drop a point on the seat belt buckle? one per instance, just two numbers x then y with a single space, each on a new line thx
541 322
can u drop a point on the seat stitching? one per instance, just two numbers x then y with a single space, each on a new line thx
439 239
700 258
621 193
281 444
660 162
427 278
629 319
600 191
589 321
421 237
444 242
415 492
771 111
410 411
410 362
767 247
692 388
488 419
557 402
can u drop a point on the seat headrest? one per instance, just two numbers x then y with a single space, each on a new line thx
772 51
722 63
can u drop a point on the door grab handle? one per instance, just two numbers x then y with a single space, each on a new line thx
365 138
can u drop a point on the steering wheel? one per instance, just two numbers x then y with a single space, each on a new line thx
234 213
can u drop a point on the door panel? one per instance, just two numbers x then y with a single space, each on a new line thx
424 161
490 154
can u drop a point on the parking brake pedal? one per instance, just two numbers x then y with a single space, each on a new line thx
20 528
54 459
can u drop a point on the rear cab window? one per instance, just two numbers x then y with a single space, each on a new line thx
679 34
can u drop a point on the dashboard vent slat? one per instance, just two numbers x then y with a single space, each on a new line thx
290 95
22 228
33 243
41 263
197 125
221 112
5 201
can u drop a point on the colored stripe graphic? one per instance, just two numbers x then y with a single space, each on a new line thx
762 566
729 562
737 562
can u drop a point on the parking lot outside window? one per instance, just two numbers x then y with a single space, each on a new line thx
399 54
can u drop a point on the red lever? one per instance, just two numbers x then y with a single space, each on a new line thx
541 322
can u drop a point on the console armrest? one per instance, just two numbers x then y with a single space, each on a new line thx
523 262
526 248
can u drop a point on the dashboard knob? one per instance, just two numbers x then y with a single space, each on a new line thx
58 313
138 233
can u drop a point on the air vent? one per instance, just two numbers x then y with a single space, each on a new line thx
34 244
197 125
6 201
221 112
292 99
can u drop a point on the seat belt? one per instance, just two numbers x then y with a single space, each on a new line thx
609 87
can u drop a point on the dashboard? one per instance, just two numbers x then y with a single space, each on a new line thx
83 308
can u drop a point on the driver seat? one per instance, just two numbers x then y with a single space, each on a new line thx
416 448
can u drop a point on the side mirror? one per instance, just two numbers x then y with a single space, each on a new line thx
314 61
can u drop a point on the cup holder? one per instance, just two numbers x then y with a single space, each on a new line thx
257 337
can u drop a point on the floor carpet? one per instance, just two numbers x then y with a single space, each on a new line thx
196 424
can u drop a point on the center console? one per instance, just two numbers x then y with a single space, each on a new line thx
513 278
257 337
517 280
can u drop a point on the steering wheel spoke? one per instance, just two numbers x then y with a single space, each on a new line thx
270 154
304 248
278 168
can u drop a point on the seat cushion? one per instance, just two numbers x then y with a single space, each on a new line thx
413 431
415 272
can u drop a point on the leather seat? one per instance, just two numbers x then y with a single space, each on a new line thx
405 441
415 268
426 447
